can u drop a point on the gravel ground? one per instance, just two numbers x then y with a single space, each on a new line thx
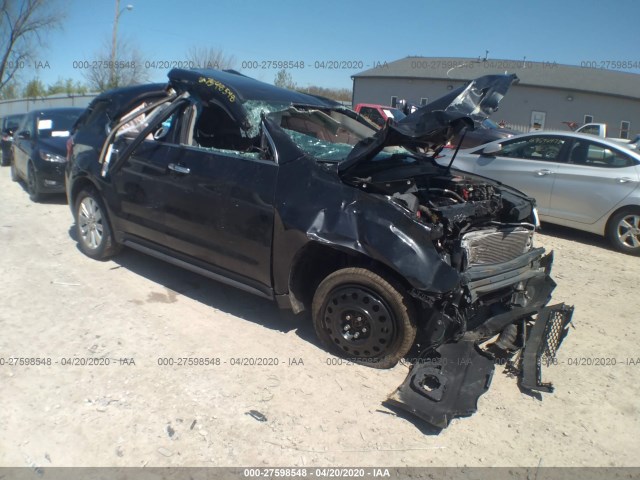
135 311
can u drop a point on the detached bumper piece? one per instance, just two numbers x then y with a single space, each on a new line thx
448 386
548 332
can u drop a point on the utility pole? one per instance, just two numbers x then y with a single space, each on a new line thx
114 42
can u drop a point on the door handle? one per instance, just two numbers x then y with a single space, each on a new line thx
179 168
625 180
543 172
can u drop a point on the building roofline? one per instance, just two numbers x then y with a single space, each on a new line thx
538 74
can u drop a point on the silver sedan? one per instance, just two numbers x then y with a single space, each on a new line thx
578 181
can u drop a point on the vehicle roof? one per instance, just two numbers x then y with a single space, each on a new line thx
131 91
243 87
375 105
560 133
13 115
56 110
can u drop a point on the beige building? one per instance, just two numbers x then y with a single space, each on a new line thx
547 95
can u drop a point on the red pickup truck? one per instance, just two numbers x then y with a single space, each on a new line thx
378 114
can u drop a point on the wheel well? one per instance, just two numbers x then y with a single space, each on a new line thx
79 185
316 261
628 208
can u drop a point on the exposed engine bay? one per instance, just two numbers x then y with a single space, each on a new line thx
479 229
471 222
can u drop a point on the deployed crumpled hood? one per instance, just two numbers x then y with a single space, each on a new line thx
433 125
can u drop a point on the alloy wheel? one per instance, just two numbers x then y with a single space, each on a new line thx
628 231
90 221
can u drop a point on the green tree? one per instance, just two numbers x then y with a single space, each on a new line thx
68 86
10 91
35 88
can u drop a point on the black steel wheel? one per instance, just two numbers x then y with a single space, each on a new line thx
362 316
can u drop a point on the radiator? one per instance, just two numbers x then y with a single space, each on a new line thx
491 246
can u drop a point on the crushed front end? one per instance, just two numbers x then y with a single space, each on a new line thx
462 245
485 232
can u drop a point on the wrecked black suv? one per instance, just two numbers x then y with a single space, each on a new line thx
296 198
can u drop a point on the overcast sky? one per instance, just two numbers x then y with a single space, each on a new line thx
352 35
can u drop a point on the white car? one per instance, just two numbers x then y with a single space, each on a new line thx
578 181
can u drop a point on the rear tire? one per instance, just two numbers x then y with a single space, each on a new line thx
360 315
92 226
623 231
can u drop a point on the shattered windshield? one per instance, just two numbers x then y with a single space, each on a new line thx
327 135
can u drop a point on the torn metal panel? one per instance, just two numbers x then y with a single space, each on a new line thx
329 212
449 387
433 125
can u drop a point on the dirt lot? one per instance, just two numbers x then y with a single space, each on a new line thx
59 304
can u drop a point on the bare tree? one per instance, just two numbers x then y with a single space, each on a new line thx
209 57
340 94
284 79
129 69
22 22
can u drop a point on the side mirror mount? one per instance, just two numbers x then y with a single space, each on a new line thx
492 149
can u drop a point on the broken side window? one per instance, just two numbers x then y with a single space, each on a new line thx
216 130
137 124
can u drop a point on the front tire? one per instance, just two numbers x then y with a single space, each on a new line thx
33 185
623 231
360 315
92 226
14 172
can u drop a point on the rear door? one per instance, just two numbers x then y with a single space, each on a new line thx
528 164
596 179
